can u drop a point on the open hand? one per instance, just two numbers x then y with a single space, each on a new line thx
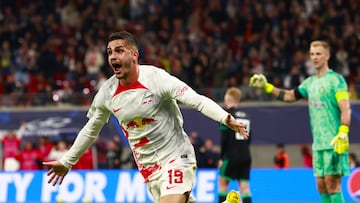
57 172
236 126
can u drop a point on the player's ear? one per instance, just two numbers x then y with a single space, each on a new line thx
135 55
328 56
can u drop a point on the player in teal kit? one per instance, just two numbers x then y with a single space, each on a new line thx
330 114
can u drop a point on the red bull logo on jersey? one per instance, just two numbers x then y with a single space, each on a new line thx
140 123
354 184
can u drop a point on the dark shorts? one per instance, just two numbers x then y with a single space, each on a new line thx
235 170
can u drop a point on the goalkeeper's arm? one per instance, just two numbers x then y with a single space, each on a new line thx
341 140
286 95
260 81
342 98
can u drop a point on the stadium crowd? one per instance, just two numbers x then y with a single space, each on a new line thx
28 153
19 152
53 52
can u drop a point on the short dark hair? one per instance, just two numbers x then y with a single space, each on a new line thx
129 38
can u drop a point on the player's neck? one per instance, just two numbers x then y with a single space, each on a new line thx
132 77
321 71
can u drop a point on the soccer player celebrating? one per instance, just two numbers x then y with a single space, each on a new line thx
144 100
330 115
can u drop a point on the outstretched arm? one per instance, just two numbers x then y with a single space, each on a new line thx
260 81
212 110
180 91
97 118
59 168
284 95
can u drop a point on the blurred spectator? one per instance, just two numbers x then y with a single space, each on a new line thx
86 161
5 57
281 159
114 155
219 80
294 78
66 94
198 79
69 13
43 95
71 63
207 157
93 61
29 157
126 158
196 140
2 88
58 150
354 162
306 156
10 84
101 149
10 147
101 79
44 148
22 76
342 65
22 129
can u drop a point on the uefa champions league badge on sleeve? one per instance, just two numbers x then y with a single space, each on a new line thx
354 185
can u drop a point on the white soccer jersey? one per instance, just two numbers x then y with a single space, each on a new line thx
149 115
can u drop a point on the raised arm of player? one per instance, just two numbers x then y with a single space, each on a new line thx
260 81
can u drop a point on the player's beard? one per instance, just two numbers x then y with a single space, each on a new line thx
126 66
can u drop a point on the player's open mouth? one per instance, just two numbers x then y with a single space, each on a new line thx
116 66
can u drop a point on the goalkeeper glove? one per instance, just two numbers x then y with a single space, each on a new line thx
233 197
341 140
260 81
